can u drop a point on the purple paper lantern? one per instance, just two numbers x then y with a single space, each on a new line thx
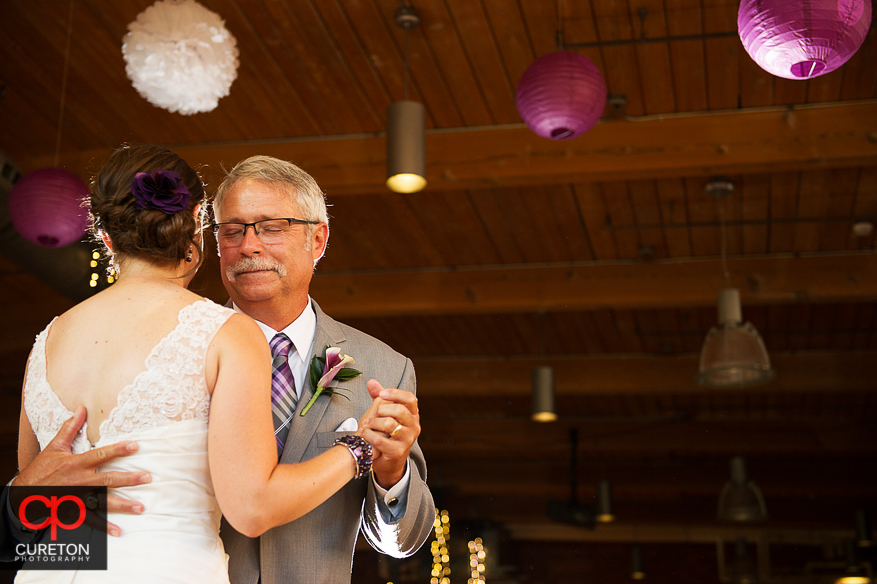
561 95
800 39
46 207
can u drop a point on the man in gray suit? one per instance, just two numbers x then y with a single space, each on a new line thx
272 228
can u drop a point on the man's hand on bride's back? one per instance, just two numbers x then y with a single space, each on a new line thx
56 465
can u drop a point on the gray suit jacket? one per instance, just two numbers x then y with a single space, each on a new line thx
318 548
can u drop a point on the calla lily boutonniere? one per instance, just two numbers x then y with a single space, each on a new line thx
326 369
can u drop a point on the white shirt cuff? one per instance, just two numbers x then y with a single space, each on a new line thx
392 501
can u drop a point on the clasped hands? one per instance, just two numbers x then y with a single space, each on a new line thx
391 425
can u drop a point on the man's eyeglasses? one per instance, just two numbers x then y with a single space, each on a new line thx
267 230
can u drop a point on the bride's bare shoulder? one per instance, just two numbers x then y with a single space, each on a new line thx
240 329
114 311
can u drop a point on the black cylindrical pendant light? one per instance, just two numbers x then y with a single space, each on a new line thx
604 502
406 126
543 395
406 147
636 564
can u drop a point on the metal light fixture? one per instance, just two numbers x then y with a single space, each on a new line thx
543 395
636 564
741 499
733 354
604 503
406 126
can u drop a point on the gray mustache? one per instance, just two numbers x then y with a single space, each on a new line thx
250 264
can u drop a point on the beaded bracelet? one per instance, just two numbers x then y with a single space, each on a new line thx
361 451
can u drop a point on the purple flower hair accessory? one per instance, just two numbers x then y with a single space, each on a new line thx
162 190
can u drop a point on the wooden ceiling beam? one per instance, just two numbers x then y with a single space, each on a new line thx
636 375
659 284
704 144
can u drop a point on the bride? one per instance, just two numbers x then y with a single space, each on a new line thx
154 362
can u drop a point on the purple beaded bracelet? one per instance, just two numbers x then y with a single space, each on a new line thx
361 451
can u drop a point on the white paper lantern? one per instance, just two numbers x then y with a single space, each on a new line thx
180 57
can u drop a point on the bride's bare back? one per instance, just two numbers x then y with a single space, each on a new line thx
98 347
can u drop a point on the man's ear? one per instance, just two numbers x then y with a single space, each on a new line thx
319 241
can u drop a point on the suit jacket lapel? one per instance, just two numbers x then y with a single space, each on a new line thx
303 428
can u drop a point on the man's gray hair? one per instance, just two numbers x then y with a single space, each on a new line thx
299 186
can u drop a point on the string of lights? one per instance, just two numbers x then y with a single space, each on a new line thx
477 556
441 560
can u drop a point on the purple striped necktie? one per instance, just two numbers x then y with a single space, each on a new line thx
283 396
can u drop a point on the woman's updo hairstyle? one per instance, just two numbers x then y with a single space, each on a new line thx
145 233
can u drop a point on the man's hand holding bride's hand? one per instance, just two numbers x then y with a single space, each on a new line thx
391 425
56 465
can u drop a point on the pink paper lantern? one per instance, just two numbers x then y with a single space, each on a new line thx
800 39
561 95
47 207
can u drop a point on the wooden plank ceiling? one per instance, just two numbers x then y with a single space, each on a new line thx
600 256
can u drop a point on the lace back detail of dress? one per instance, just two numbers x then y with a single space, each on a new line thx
172 387
44 410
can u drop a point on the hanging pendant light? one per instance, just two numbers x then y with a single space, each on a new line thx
406 126
543 395
854 573
406 147
604 503
543 384
636 564
800 39
733 354
741 500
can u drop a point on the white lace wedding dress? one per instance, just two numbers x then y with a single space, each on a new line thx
165 410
